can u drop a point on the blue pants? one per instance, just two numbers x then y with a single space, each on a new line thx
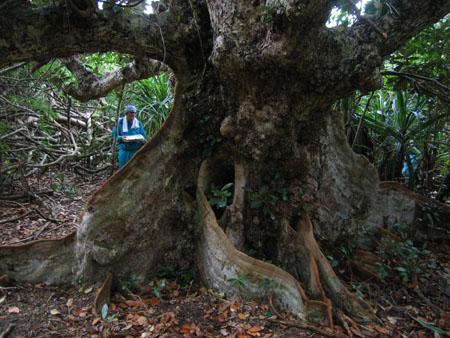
124 156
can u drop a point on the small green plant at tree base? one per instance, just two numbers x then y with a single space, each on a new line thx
268 12
239 281
161 286
401 257
129 280
431 214
265 283
356 289
105 317
185 276
267 196
66 190
219 197
78 280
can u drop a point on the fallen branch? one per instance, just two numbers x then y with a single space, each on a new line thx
7 331
90 171
18 197
49 218
309 327
16 218
103 295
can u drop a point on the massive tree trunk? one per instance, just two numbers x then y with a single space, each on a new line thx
255 85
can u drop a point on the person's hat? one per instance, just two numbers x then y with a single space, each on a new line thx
130 109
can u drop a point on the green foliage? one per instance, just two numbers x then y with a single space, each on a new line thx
239 281
427 55
400 257
184 276
153 100
356 289
159 287
380 8
129 280
430 214
402 130
105 310
265 283
405 127
62 187
267 196
431 327
268 12
220 198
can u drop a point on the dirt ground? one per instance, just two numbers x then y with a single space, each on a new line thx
175 306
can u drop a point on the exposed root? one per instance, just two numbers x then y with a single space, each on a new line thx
7 331
219 261
314 329
103 295
273 309
326 301
386 233
43 261
305 242
344 323
235 230
366 263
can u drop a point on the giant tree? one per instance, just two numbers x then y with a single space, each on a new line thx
256 80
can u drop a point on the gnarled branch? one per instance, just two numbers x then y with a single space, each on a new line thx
93 86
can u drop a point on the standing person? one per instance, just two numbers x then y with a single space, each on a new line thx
130 135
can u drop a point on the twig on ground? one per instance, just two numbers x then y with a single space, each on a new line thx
49 218
425 299
38 232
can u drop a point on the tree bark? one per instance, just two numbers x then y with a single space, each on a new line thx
254 92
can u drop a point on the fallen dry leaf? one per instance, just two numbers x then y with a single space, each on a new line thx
143 321
13 309
255 329
383 330
134 303
154 301
55 312
242 316
233 308
185 329
413 285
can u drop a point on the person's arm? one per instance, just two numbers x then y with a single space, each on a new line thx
119 131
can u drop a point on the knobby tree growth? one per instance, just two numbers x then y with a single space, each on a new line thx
256 81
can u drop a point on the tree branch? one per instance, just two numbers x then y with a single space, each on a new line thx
58 30
92 86
413 17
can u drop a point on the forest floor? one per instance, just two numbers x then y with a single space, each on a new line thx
174 306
